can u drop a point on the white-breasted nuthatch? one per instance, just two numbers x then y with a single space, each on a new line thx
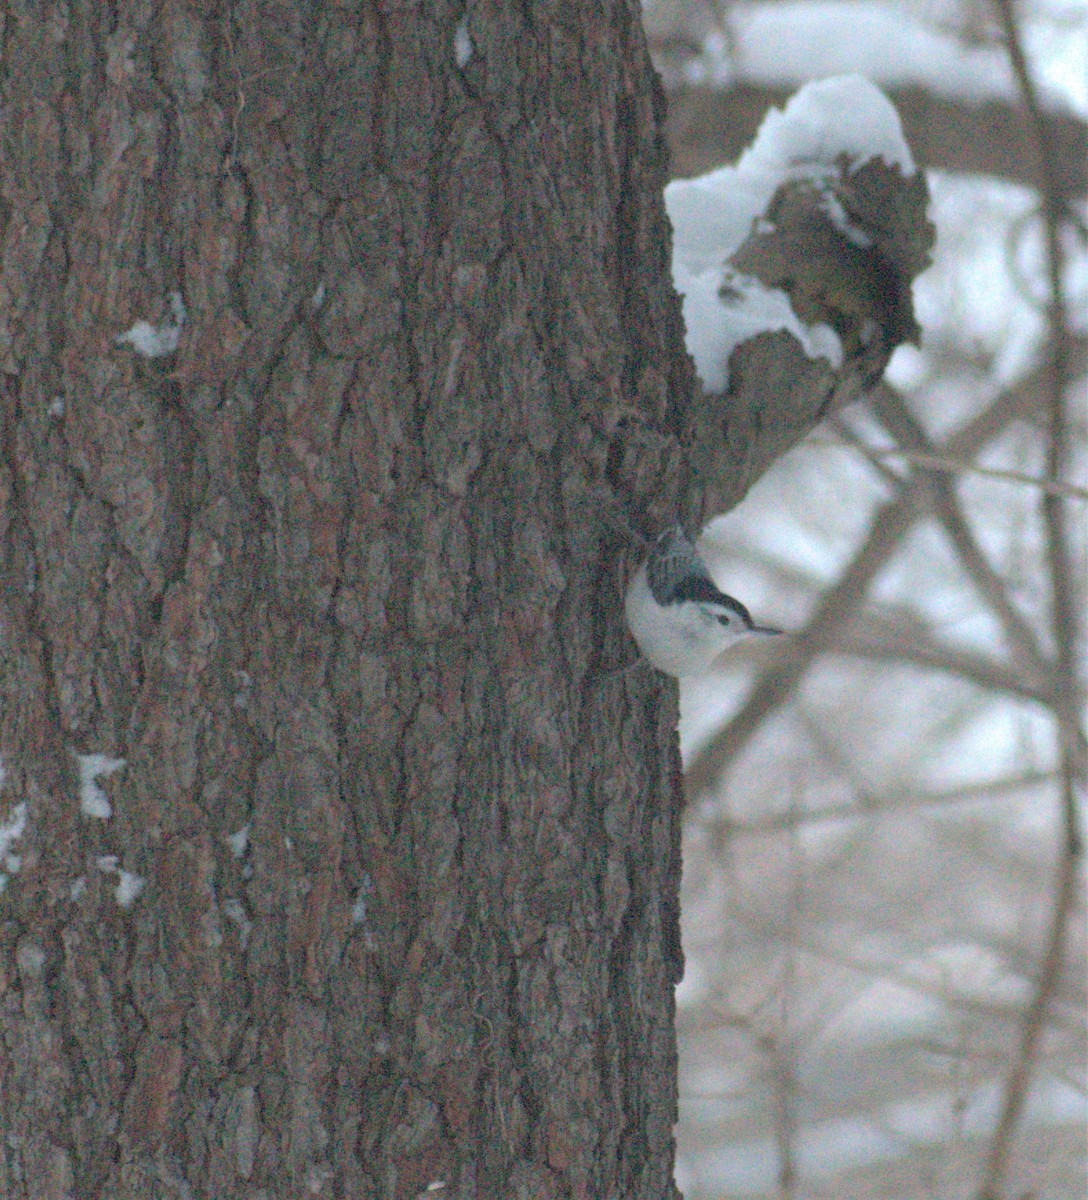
675 612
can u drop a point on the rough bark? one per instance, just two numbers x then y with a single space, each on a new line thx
335 580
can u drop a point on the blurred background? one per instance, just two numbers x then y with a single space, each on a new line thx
884 891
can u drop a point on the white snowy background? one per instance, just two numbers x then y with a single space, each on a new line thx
869 888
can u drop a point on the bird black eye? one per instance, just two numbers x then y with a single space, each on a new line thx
723 618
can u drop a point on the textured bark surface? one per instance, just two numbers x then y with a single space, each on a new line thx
334 586
327 580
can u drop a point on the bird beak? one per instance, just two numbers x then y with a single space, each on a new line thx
765 629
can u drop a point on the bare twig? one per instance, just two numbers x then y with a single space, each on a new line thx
850 437
995 1169
782 1046
889 640
938 462
889 526
836 606
902 425
889 805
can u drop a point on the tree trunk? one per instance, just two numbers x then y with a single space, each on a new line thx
339 848
340 856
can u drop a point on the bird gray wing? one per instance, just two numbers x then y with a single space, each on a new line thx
675 571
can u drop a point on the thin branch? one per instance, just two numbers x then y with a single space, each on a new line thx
889 525
1032 1028
953 466
867 968
893 413
784 1102
921 649
868 640
835 607
995 1170
892 804
848 436
783 1047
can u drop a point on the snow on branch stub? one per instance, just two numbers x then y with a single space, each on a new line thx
795 267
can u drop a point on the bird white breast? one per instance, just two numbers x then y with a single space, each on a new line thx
679 641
